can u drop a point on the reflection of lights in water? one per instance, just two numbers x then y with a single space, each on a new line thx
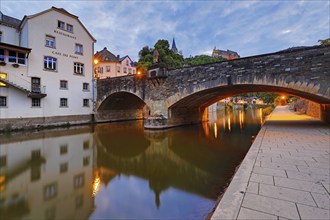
229 125
96 185
260 115
224 122
215 130
206 129
241 119
2 183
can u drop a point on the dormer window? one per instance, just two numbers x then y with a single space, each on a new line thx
61 24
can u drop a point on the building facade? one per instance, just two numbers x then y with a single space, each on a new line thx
107 65
46 70
227 54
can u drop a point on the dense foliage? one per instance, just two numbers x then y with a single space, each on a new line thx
169 59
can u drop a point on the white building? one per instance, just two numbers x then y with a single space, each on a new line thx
46 70
108 65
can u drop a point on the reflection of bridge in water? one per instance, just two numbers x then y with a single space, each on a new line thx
165 159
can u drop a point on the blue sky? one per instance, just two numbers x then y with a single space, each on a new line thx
249 27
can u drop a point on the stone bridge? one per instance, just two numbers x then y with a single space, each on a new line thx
181 96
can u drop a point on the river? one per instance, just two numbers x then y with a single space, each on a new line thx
121 171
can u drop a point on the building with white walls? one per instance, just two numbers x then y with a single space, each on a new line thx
107 65
46 69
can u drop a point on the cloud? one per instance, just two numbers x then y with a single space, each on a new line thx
248 27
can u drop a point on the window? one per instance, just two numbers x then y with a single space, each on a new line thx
63 84
3 76
69 27
3 161
129 71
133 71
35 155
85 103
86 161
127 63
50 41
35 102
61 24
63 167
79 201
63 102
79 68
118 69
85 86
2 55
78 181
3 101
0 36
79 49
125 70
108 68
63 149
100 69
16 57
50 191
86 145
50 63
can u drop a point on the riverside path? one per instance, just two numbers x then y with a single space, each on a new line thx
285 174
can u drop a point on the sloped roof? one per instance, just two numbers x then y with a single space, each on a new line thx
60 10
226 53
105 56
9 21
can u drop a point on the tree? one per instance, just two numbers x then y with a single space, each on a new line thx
202 59
324 42
166 57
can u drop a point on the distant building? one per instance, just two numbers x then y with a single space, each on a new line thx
229 55
107 65
174 48
46 73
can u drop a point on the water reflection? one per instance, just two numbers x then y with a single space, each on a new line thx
46 176
121 171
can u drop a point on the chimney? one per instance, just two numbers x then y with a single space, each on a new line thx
118 56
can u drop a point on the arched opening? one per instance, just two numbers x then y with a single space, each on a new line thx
121 106
191 109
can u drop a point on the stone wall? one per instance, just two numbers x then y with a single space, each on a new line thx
310 108
43 122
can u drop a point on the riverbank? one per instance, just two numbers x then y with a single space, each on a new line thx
285 174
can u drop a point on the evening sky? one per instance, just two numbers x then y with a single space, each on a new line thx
249 27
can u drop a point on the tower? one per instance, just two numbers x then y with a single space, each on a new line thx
174 49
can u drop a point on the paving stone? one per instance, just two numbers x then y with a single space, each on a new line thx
307 176
300 185
318 164
311 213
270 205
249 214
269 171
279 166
326 185
282 193
288 160
313 170
322 200
259 178
253 188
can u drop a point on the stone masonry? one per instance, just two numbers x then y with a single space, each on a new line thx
182 96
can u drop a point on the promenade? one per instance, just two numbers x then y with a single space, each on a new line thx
285 174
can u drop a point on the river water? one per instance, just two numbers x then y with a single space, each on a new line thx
121 171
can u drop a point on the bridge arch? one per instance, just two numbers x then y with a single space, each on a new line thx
192 106
121 106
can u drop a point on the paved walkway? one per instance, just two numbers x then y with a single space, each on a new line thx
285 174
